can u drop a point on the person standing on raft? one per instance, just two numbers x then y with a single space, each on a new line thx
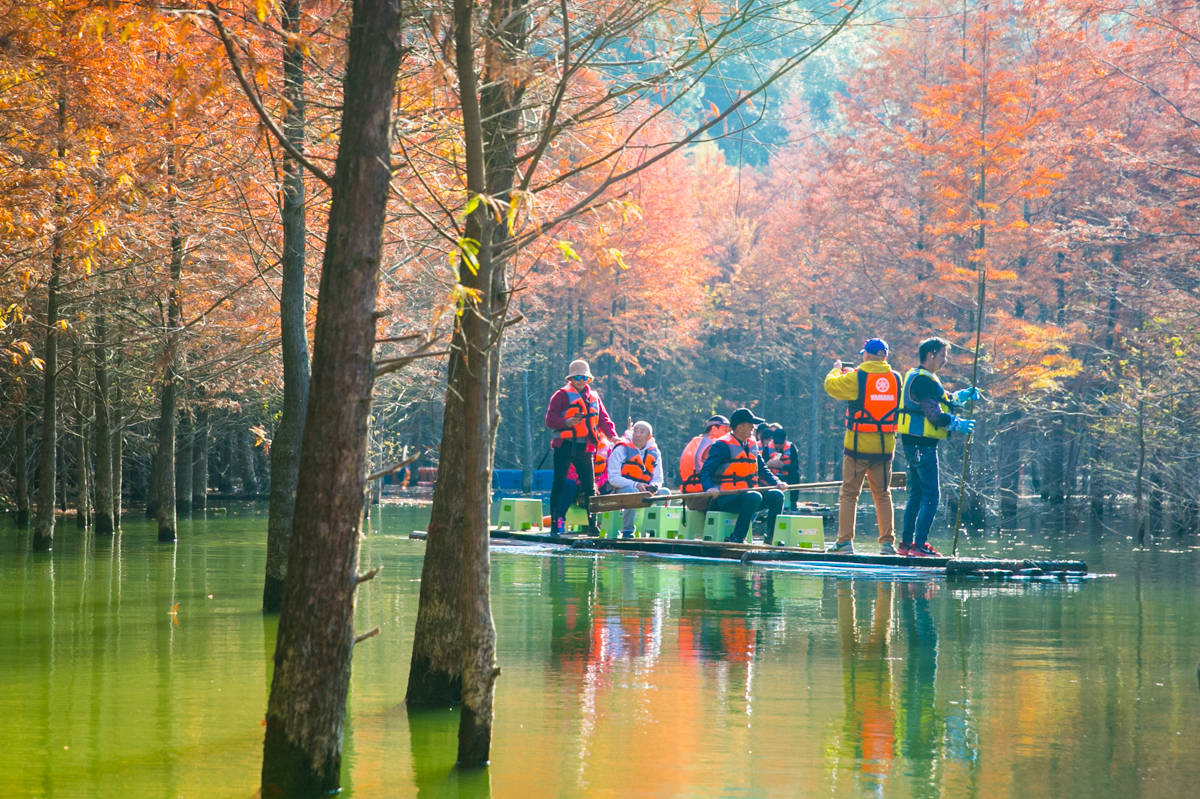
582 424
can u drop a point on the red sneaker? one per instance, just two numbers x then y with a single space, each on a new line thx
924 551
905 550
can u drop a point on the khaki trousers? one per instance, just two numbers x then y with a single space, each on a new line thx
877 475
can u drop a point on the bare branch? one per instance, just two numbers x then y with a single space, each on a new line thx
256 101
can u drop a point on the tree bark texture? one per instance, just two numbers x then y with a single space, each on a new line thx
454 647
83 483
245 460
200 461
103 434
183 466
307 704
43 523
164 477
285 446
21 465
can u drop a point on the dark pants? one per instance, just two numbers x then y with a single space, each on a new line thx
745 505
923 496
562 494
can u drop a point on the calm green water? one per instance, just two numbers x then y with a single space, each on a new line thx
622 676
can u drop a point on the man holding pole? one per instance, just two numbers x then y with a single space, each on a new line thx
733 464
872 394
925 419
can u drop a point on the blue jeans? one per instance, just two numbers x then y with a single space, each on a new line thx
923 494
747 504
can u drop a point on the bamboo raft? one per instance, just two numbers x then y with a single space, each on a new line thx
1015 570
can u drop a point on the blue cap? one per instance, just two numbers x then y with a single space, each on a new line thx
874 346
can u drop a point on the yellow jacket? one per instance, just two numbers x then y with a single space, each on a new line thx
844 386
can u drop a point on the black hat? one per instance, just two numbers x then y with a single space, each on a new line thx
743 415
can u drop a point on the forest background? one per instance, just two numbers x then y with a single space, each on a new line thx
1050 148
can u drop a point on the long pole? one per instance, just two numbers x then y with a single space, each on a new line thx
980 257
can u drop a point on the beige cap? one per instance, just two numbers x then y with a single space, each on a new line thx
578 367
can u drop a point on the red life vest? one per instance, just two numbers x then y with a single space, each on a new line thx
587 425
639 464
742 468
877 405
691 462
784 452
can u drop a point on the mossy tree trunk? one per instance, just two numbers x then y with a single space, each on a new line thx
285 447
104 435
307 704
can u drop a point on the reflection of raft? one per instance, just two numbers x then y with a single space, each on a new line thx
971 568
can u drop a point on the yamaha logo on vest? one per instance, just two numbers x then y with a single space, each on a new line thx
882 384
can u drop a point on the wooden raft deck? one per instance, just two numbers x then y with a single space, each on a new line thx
983 568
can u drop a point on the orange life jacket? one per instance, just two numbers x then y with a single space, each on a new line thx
784 452
742 468
639 464
877 405
600 464
690 463
588 425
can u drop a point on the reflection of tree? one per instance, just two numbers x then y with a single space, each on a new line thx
920 721
870 724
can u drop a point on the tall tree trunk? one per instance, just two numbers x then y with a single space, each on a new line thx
285 447
245 460
104 433
43 523
21 463
814 418
1008 467
454 642
307 704
118 444
200 461
164 476
183 466
83 493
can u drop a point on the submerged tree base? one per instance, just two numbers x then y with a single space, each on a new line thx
272 595
288 772
166 535
432 688
474 738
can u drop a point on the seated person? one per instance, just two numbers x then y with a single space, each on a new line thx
733 464
635 465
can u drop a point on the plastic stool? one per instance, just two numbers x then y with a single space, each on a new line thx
660 522
519 514
719 526
576 518
805 532
693 526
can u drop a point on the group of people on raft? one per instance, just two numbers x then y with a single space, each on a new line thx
754 460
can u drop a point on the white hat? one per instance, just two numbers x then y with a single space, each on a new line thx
578 367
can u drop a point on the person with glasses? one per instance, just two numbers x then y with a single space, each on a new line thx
582 425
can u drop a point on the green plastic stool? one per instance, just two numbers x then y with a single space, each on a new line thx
660 522
692 528
718 526
804 532
519 514
576 518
